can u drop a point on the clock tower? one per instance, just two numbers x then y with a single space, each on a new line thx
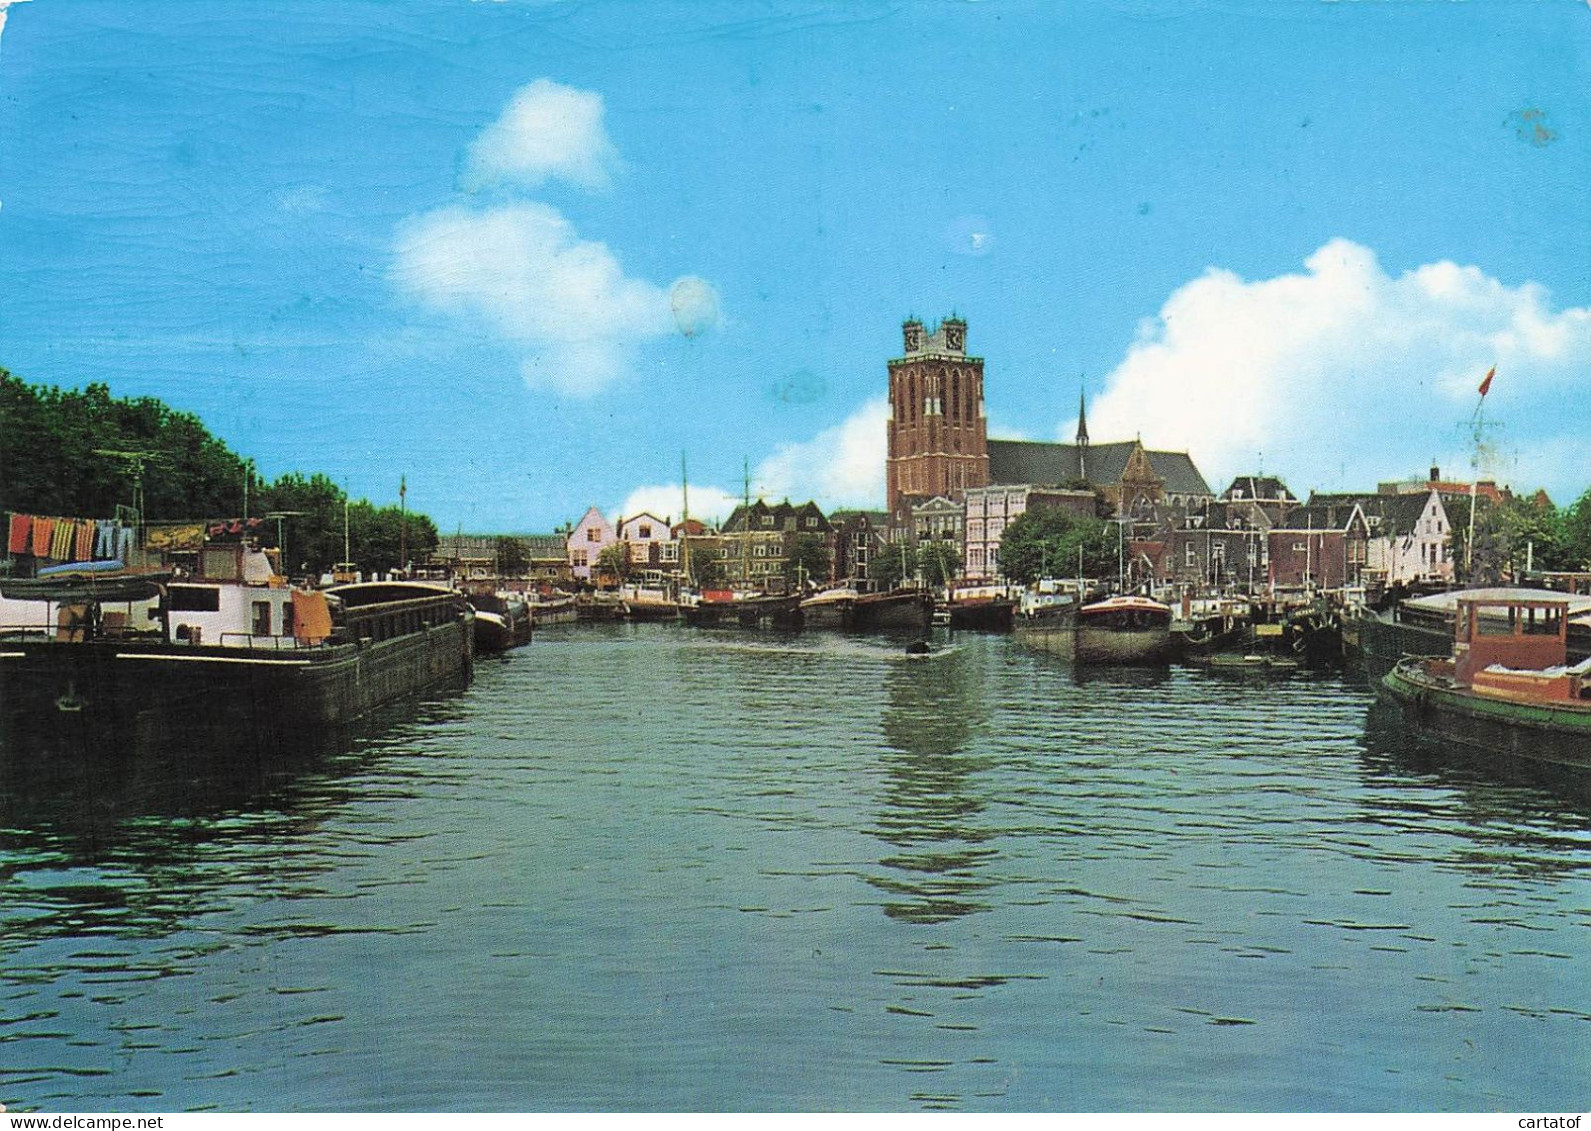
938 442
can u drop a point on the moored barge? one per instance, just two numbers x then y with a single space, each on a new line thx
113 653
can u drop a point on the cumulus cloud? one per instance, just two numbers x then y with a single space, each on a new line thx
519 272
709 504
1343 374
525 274
842 466
547 132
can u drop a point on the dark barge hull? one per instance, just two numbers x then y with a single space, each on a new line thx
1537 732
982 616
873 612
778 612
115 690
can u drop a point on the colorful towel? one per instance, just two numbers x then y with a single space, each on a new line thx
85 541
21 528
43 529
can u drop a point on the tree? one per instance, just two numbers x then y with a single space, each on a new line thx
512 560
82 453
614 561
707 567
1046 542
939 562
1509 536
808 559
895 564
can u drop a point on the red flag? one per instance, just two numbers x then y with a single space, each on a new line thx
1486 384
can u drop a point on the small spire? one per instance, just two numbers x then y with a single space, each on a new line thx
1082 419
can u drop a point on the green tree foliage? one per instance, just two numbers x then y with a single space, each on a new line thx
54 460
897 563
512 558
614 562
808 559
707 567
1509 536
1576 529
1045 542
939 562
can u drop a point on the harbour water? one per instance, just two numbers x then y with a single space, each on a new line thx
641 867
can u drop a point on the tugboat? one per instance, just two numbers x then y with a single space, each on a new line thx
1507 687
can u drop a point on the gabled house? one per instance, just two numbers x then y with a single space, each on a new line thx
757 539
1215 544
590 536
859 537
644 537
1324 545
1411 536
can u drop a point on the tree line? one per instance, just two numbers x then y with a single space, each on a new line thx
82 452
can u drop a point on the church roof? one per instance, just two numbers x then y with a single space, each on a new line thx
1026 461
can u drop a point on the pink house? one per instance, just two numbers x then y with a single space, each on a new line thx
591 535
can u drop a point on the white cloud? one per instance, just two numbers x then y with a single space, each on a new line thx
548 132
709 504
525 273
4 4
842 466
521 273
1344 374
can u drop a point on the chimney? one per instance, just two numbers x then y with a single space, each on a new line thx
1436 473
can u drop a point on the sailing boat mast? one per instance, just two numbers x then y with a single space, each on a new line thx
745 527
685 520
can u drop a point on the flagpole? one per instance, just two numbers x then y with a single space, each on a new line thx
1475 471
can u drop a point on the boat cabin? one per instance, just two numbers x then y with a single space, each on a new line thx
1513 644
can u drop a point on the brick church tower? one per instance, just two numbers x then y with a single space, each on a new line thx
938 444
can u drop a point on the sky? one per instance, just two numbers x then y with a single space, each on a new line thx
531 257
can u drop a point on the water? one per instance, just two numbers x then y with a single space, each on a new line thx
646 868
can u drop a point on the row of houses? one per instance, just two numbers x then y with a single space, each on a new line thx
1255 534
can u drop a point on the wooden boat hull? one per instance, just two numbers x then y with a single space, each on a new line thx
1441 711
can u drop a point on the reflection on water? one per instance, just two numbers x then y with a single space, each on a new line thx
641 868
934 706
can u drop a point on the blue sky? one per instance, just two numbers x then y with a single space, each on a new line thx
526 254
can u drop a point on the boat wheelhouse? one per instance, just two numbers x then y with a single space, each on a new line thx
1508 687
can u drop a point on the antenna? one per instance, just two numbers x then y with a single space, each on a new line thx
135 462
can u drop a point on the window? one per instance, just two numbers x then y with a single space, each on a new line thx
194 598
767 520
812 520
646 531
1299 547
593 534
1218 553
262 618
1190 555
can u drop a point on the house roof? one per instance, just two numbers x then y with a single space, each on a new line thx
1257 488
1322 513
1027 461
1397 514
